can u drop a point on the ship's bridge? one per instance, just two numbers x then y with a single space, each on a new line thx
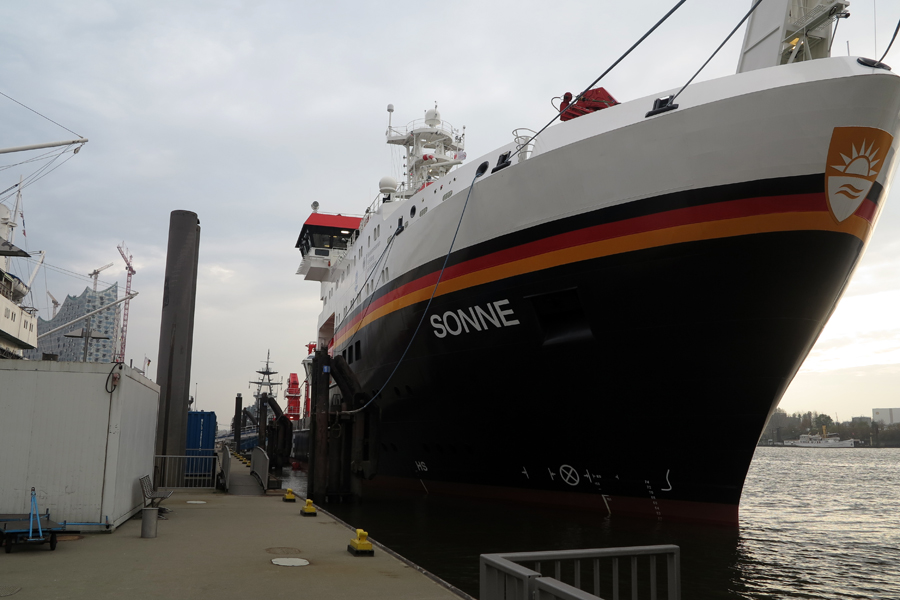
323 241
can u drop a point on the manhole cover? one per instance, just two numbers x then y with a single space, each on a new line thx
196 502
283 550
69 538
290 562
8 590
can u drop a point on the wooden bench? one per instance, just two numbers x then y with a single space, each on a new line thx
153 496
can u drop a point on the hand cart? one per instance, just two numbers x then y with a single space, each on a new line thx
31 528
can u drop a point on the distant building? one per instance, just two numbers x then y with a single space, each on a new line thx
778 425
886 416
103 323
861 420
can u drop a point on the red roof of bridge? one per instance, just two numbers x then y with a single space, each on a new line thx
338 221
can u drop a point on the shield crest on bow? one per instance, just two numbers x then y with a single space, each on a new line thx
856 156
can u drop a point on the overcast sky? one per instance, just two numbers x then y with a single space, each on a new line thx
245 112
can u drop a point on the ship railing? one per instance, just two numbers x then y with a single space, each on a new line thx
174 472
519 575
259 466
229 435
524 139
443 127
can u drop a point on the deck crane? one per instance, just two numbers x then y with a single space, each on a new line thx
130 269
96 272
55 304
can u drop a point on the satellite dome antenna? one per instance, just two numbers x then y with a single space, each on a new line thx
315 206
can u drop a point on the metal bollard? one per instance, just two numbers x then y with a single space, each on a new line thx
149 517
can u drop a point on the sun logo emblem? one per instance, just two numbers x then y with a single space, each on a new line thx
855 158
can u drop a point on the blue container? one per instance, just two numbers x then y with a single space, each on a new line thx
201 433
201 441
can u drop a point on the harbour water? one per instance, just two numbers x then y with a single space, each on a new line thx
814 524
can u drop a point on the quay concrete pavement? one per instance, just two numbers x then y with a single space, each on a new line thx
222 549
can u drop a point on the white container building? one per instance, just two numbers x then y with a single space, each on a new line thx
77 436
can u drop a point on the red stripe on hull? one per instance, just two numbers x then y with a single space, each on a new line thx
707 213
674 510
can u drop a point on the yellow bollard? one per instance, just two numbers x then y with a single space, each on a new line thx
289 497
308 509
361 546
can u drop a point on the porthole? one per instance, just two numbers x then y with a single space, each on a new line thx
412 211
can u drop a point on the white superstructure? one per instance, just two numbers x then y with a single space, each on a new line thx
831 440
18 325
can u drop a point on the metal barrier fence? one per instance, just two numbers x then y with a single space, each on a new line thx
259 466
184 472
226 466
503 577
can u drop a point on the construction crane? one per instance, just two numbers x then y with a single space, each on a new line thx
96 272
55 304
130 269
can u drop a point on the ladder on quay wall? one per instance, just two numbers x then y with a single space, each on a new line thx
504 577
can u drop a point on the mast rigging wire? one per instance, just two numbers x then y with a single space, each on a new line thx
611 67
728 37
890 44
481 170
70 273
384 254
40 115
36 175
387 248
33 159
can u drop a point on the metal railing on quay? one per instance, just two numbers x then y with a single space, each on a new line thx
226 466
185 472
259 466
505 577
229 435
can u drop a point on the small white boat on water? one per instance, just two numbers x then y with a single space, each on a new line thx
826 440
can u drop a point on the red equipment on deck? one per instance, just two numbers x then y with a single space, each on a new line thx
292 394
592 101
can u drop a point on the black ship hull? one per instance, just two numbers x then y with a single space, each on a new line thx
590 361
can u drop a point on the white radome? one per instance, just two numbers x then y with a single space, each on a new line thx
432 117
387 185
